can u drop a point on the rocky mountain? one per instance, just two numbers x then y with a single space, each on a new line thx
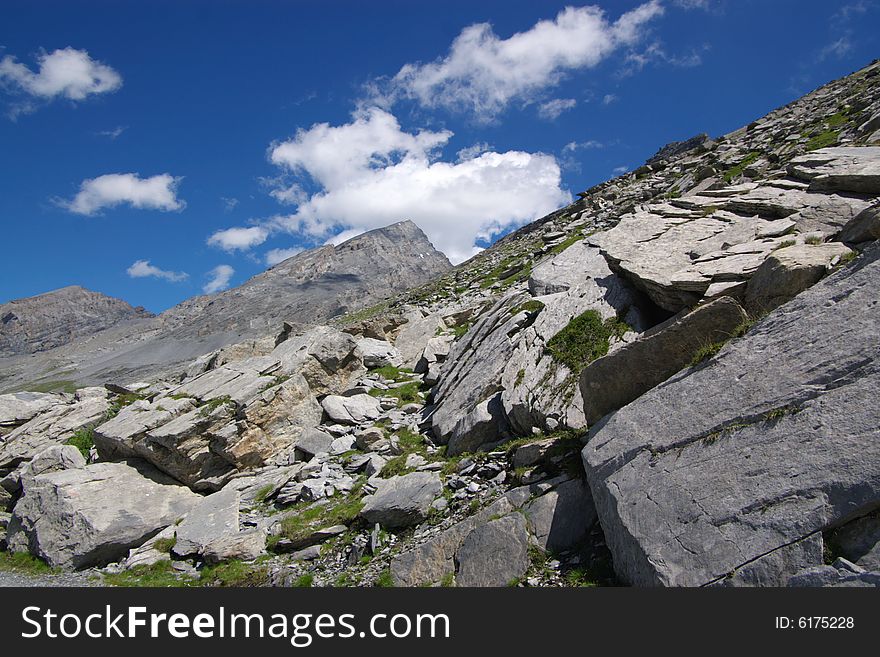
670 382
310 287
50 320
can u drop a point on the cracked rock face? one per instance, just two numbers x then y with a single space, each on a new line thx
772 442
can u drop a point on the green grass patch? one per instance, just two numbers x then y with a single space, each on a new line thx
297 526
736 171
210 406
83 439
567 242
236 573
706 352
263 493
157 575
784 244
23 562
304 581
165 544
384 580
532 306
391 373
583 340
822 140
405 394
813 240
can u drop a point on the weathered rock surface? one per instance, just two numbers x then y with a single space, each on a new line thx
378 353
840 169
351 410
771 443
54 425
611 382
93 515
494 554
402 501
214 518
864 227
790 271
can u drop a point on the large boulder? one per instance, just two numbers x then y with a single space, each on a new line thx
92 515
731 472
414 335
18 407
402 501
864 227
790 271
611 382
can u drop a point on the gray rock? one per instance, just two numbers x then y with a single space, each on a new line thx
378 353
215 517
789 271
312 538
561 518
313 441
415 334
18 407
864 227
93 515
611 382
771 442
351 410
859 541
494 554
243 546
402 501
840 169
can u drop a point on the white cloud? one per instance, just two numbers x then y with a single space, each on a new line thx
218 279
143 269
573 146
229 204
238 239
483 73
607 99
470 152
837 48
553 108
656 53
155 193
65 73
114 133
274 256
371 173
692 4
619 171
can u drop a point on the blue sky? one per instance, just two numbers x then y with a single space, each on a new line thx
158 150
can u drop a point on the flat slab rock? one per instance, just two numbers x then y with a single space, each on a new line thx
402 501
732 470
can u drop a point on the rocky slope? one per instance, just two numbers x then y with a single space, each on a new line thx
57 318
669 382
316 284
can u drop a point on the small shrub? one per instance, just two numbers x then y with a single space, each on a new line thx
813 240
706 352
784 244
263 493
165 544
384 580
83 439
304 581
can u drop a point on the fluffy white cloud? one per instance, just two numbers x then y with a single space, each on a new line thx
218 279
65 73
143 269
371 173
238 239
274 256
607 99
154 193
484 73
553 108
